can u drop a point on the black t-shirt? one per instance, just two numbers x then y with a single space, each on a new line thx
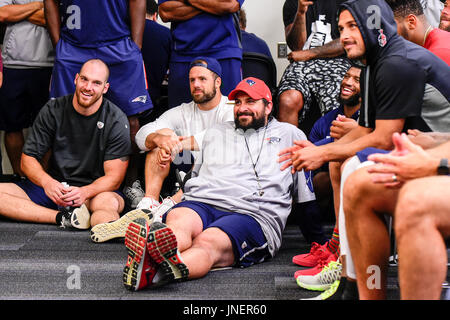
321 18
80 144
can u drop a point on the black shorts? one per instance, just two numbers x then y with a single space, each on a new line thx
23 94
318 78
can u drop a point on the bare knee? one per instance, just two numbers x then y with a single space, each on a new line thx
355 191
412 209
217 245
291 101
105 207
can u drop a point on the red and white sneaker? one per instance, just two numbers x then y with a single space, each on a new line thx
139 270
317 253
317 269
163 249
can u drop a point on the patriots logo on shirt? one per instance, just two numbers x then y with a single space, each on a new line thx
273 139
309 182
250 82
100 125
142 99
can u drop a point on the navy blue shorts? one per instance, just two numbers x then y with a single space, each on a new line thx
24 92
39 197
248 240
363 154
128 84
179 90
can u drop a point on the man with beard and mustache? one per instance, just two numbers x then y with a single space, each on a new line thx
235 205
405 87
182 128
445 17
330 127
90 143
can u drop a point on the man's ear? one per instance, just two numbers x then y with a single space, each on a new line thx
75 80
105 89
269 108
411 22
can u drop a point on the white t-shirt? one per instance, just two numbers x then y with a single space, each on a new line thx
187 120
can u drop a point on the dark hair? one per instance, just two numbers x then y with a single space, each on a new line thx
403 8
152 7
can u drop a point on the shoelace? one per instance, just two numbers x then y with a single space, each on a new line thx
314 248
331 272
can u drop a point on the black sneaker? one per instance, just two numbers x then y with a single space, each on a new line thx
78 218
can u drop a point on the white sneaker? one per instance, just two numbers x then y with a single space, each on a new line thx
134 194
147 203
163 208
324 279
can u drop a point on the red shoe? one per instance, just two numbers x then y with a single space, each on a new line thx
315 270
318 253
140 269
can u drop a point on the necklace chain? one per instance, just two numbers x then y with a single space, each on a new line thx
260 190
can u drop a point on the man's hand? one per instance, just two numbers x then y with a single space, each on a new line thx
341 126
303 156
407 161
74 196
301 55
303 6
55 191
171 144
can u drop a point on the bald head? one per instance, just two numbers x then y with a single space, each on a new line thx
99 65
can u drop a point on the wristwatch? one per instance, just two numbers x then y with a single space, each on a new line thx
443 169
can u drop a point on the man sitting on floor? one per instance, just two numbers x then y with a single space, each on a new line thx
89 139
235 205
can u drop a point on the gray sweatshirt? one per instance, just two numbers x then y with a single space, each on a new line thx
26 45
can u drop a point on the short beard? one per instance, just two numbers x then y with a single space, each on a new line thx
353 101
445 26
255 124
206 97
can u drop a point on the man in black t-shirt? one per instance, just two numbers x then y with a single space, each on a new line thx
317 60
89 140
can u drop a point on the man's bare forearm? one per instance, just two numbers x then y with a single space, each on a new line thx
329 50
137 16
217 7
18 12
34 171
296 33
174 11
53 20
38 18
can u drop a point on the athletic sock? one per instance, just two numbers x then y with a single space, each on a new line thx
333 243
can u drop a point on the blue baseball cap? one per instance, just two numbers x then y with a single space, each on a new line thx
209 63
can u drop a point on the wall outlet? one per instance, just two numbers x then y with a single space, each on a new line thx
282 50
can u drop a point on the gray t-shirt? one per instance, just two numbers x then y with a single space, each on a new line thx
223 175
80 144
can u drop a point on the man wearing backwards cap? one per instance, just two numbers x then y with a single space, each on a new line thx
180 128
234 207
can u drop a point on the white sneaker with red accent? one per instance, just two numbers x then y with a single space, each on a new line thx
148 203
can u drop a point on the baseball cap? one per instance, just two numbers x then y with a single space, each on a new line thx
211 64
255 88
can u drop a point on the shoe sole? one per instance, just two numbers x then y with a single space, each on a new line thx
135 242
117 229
319 287
163 249
81 218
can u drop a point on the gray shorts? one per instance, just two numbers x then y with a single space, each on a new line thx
318 78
